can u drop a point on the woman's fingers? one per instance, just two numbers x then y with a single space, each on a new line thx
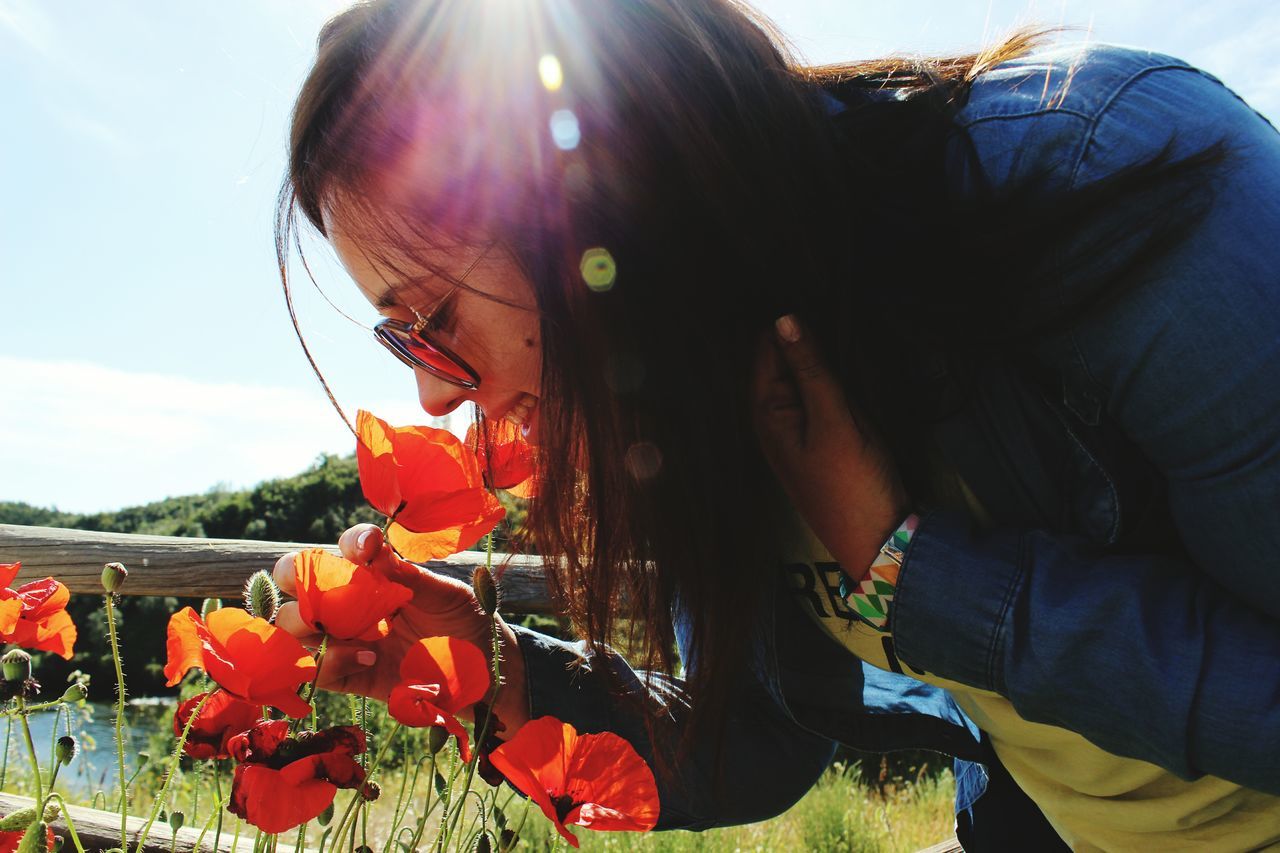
819 391
360 544
283 574
289 618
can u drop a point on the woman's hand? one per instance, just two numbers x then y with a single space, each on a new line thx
440 606
836 472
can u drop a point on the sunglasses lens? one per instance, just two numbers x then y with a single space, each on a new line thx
425 353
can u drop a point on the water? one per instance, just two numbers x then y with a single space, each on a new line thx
94 767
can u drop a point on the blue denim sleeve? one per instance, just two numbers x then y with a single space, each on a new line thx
770 761
1166 660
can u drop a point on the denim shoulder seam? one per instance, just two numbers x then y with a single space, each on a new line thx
1075 175
993 652
1102 111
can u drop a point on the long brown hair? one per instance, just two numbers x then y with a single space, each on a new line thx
701 158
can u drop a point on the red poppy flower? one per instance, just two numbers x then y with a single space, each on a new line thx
282 782
346 601
429 483
35 614
248 657
222 718
506 458
598 781
10 840
439 676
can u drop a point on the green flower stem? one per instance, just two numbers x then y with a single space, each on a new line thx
115 657
311 688
215 816
4 762
66 817
31 709
482 731
31 751
170 770
217 793
356 796
427 807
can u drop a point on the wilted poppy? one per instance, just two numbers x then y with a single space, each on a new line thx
439 676
35 614
428 483
598 781
248 657
10 839
222 718
506 458
282 782
344 600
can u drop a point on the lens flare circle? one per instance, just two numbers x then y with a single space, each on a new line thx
565 132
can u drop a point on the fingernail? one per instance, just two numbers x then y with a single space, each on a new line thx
788 328
366 657
363 539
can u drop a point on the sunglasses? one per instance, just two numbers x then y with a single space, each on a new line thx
410 343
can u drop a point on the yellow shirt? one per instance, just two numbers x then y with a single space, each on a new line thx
1093 799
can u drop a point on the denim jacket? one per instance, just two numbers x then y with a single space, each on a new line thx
1125 587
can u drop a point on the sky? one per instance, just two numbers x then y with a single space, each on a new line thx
145 349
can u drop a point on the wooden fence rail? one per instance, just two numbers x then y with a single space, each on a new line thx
216 568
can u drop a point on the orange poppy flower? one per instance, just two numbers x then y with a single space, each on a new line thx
282 782
222 718
35 614
346 601
598 781
506 458
9 840
439 676
248 657
428 483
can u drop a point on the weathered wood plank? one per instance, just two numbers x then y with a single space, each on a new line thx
99 830
215 568
951 845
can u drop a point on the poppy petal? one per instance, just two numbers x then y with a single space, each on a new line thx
8 573
260 796
600 777
185 643
345 600
375 457
457 667
10 609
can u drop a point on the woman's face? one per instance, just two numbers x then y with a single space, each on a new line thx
498 337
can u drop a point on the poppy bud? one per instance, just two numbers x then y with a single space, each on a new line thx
176 820
16 665
36 838
483 845
506 840
113 577
437 737
76 692
485 590
325 816
143 759
370 791
363 848
19 820
208 606
439 783
261 595
65 749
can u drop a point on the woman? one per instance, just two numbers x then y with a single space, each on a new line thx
1001 326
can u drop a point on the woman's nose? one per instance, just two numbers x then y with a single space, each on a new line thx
438 398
